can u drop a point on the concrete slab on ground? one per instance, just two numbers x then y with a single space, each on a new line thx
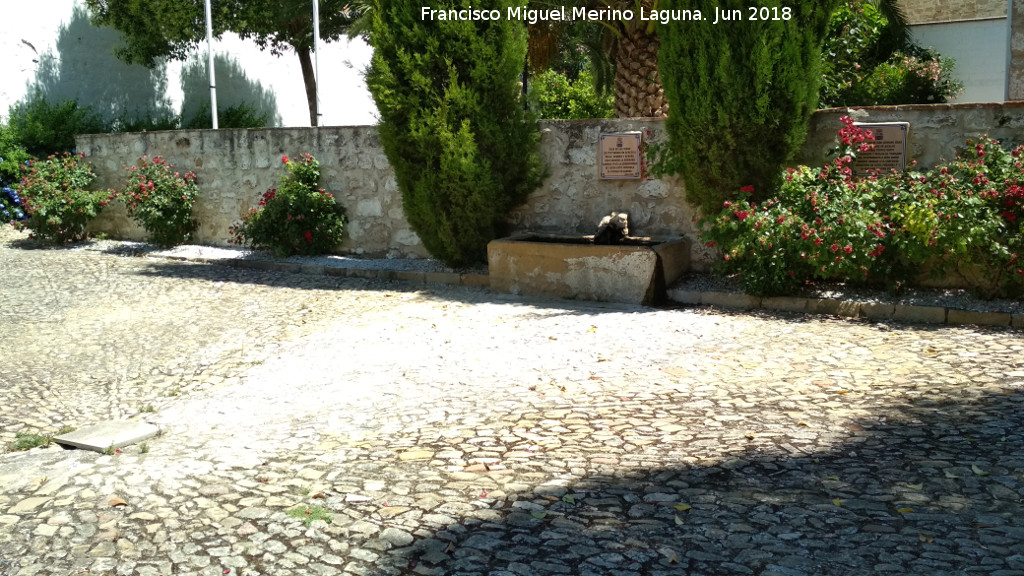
107 435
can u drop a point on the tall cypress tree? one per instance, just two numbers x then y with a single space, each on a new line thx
740 92
451 121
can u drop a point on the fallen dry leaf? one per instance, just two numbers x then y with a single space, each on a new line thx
837 501
925 538
683 507
679 521
569 499
904 510
539 515
319 495
117 502
978 471
671 555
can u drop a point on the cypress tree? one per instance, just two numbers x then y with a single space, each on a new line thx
740 93
452 124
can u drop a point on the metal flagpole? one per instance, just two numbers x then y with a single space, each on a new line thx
316 57
209 49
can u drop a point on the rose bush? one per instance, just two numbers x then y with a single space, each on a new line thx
161 200
964 218
297 217
55 197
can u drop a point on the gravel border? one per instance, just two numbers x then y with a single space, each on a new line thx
956 298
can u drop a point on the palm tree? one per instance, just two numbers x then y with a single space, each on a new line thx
630 49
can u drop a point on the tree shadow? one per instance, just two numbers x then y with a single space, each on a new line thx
924 485
86 70
234 89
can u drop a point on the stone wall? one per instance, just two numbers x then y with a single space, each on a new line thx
932 11
236 166
937 131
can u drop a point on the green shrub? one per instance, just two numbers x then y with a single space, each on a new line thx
741 95
866 62
12 156
553 95
238 116
964 219
44 129
148 123
161 200
924 79
53 192
297 217
452 123
29 440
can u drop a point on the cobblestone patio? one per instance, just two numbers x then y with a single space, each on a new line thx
449 430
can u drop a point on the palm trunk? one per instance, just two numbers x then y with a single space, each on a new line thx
309 79
638 91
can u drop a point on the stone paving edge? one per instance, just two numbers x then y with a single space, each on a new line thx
823 306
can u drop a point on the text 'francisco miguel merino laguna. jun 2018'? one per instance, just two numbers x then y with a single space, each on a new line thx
563 13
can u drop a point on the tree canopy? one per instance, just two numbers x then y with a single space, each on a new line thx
158 29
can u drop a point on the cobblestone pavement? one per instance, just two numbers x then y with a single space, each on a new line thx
454 431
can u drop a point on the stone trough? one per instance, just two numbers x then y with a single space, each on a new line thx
636 271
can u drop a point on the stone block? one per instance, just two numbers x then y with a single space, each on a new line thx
1017 320
108 435
978 318
483 280
834 307
685 296
570 267
874 311
785 304
452 278
923 314
409 276
730 300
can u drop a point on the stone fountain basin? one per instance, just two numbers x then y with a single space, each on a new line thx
636 271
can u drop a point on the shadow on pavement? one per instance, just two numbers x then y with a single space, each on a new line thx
930 486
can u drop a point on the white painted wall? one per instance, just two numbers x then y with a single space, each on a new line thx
980 50
28 49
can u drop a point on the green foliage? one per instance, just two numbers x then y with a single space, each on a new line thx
12 156
238 116
964 219
29 440
43 128
741 95
310 514
297 217
126 123
161 200
55 197
452 124
868 62
553 95
924 79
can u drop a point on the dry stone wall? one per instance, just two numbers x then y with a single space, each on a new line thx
235 167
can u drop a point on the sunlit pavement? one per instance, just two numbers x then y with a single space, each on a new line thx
454 431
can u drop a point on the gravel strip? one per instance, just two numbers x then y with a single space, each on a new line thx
956 298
